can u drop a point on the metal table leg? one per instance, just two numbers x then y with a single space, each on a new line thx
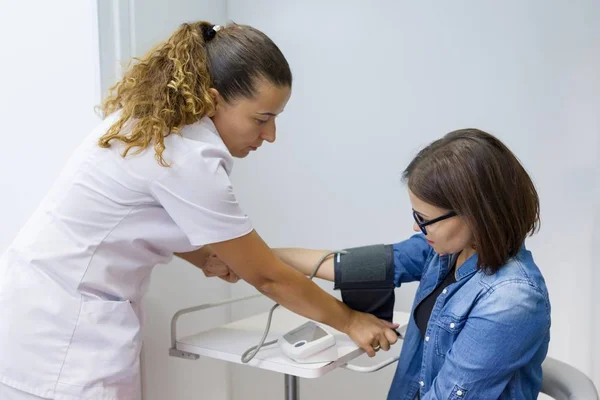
292 388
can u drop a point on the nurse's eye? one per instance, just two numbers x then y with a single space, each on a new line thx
261 121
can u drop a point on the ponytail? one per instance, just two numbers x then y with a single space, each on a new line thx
164 91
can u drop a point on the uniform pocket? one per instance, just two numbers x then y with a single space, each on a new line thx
105 346
448 327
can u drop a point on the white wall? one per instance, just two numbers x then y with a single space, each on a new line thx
374 82
595 281
131 28
50 84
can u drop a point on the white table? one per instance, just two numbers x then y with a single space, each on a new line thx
228 342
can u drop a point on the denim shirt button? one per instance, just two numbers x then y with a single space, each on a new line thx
427 338
459 393
422 383
445 291
452 325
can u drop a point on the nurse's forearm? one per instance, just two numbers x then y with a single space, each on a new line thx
305 260
302 296
253 261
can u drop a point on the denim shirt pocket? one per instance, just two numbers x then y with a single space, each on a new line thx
448 326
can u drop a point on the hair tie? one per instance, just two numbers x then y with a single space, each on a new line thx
210 33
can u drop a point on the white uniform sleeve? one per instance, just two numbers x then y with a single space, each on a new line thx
198 195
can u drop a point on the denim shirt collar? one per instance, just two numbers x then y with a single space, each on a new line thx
468 268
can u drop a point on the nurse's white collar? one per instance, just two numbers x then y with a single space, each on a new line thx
209 124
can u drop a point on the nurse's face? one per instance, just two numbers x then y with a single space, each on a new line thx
245 123
448 236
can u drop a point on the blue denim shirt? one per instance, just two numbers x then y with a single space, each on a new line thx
487 335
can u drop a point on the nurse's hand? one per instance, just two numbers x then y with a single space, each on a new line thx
205 259
371 333
215 267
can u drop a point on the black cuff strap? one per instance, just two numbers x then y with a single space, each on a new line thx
365 276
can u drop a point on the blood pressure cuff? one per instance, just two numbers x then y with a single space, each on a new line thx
365 276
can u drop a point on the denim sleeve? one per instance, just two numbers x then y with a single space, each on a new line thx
410 258
504 332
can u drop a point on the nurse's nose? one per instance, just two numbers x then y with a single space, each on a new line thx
268 132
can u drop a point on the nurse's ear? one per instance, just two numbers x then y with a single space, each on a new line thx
217 99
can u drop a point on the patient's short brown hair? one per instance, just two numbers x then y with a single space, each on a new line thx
474 174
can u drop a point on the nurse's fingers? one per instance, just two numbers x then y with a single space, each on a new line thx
384 344
391 336
231 277
215 267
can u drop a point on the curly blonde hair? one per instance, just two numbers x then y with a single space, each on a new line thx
165 90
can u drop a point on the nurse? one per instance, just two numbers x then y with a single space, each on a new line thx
151 181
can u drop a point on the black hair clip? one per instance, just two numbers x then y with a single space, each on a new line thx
209 32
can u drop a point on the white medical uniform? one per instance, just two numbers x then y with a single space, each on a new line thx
72 282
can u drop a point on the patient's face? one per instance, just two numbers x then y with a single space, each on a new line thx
448 236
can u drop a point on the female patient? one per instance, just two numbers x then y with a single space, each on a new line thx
479 326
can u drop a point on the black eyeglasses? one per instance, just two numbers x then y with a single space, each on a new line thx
422 224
